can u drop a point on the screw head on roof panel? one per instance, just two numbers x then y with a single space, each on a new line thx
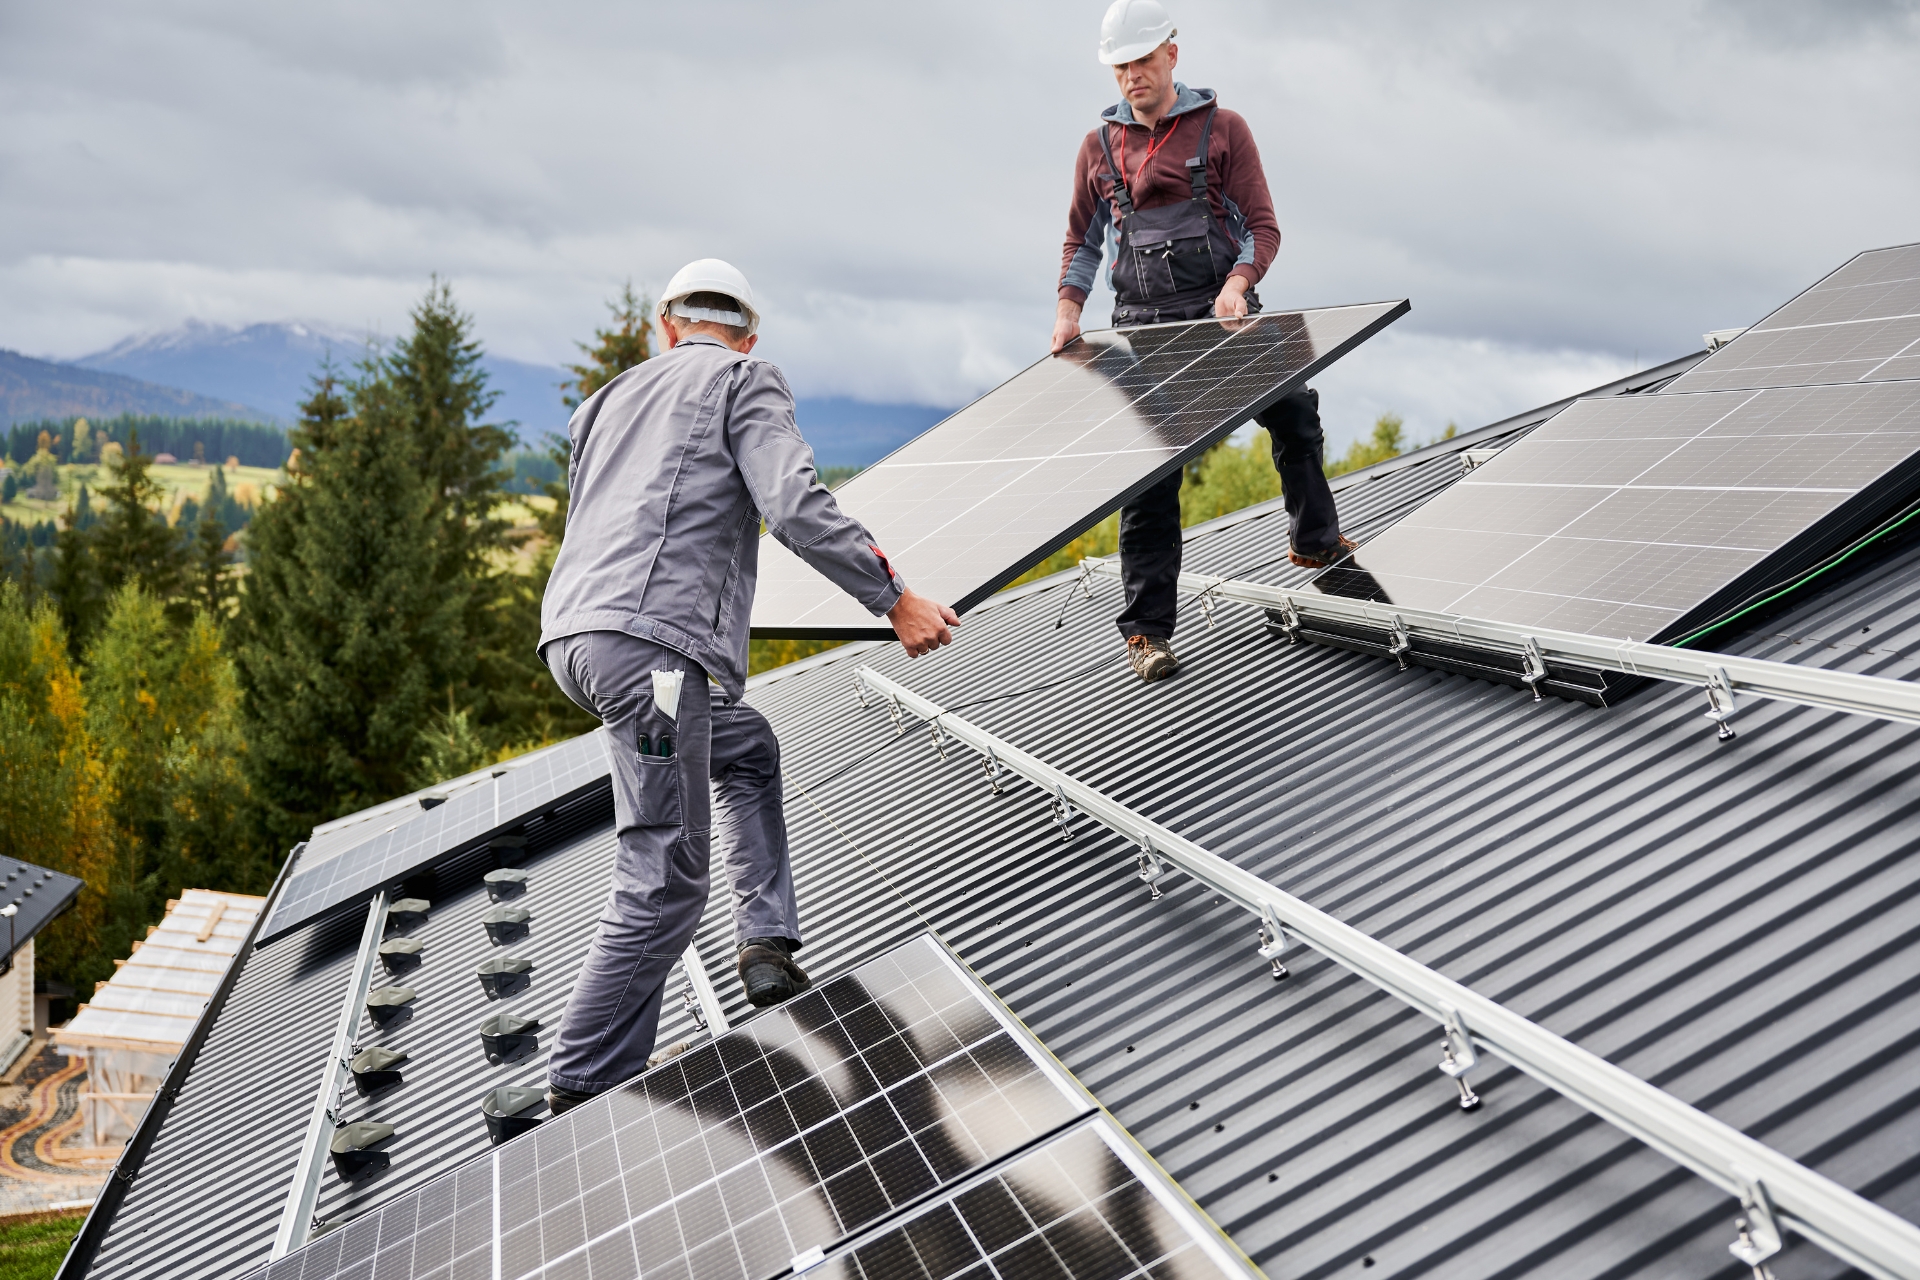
510 1111
507 882
376 1069
389 1004
506 924
353 1157
505 976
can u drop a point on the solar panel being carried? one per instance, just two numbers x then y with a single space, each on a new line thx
993 490
896 1114
537 782
1649 517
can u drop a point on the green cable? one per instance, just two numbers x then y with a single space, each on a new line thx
1809 576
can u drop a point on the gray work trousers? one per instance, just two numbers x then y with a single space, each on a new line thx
664 817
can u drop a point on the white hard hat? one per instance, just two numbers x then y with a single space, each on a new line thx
1133 29
710 275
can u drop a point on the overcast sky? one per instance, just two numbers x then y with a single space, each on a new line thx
1558 189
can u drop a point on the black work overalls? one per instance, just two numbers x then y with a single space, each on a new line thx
1170 263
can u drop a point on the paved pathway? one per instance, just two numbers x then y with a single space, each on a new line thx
41 1114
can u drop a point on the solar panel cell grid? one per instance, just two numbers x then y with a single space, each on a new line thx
965 507
407 846
1860 324
1071 1210
1625 517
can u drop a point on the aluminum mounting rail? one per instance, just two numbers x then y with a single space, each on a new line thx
296 1219
1775 1192
1722 675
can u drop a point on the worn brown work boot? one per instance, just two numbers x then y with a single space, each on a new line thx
560 1101
1321 559
768 972
1151 658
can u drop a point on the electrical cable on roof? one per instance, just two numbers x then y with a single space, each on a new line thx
1767 595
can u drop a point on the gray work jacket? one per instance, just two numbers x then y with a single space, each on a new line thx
674 465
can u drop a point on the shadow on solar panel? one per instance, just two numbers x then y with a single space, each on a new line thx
1667 517
973 503
894 1121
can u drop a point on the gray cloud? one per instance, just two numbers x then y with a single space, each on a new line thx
1555 187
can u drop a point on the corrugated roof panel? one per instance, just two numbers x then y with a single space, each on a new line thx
1739 923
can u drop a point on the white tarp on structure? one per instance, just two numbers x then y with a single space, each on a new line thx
137 1021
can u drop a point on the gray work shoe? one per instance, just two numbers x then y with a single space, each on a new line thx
1151 658
1321 559
560 1101
768 972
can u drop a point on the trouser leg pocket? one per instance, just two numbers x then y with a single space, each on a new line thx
658 792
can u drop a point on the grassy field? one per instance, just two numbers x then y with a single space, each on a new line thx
248 484
33 1250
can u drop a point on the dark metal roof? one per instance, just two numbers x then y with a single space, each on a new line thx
38 895
1738 923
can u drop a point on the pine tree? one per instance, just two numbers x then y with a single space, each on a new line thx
133 542
440 390
345 622
615 350
212 578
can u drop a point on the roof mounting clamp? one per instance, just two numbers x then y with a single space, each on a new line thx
693 1006
1151 868
860 689
1457 1056
1274 942
1206 606
1536 665
992 766
893 709
1062 812
1759 1230
939 738
1402 642
1720 705
1287 618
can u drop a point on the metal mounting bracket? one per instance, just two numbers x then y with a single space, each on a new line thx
1062 812
939 739
1536 665
1274 941
860 690
893 709
693 1006
1720 703
1402 642
1759 1231
992 765
1290 621
1151 868
1457 1056
1206 606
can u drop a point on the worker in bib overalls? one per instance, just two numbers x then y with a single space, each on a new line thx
1177 180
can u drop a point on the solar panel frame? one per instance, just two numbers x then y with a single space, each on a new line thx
517 790
1050 484
587 1192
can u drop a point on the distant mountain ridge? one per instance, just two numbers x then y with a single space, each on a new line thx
31 389
272 364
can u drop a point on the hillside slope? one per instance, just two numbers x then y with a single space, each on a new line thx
31 389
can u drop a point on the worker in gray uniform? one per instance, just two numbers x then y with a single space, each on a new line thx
674 465
1176 179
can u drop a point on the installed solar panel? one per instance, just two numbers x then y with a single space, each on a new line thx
1641 518
790 1135
1084 1206
994 489
414 841
1860 324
